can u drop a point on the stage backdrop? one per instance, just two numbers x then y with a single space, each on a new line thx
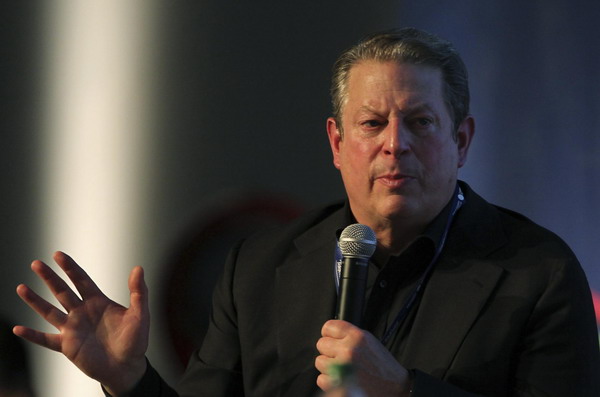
188 107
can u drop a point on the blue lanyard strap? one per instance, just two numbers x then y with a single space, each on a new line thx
413 297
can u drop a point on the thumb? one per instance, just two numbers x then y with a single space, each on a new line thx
138 291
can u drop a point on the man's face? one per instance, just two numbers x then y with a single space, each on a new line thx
397 157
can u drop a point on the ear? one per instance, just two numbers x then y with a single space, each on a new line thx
464 136
335 138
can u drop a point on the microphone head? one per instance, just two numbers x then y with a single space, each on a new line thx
358 241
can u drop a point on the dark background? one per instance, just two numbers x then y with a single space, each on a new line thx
241 93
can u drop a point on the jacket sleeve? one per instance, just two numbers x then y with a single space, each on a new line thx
215 369
151 385
558 355
558 351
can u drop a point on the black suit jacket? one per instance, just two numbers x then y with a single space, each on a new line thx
506 312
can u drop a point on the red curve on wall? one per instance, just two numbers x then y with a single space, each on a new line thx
596 298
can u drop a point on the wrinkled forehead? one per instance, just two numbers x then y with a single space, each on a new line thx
369 80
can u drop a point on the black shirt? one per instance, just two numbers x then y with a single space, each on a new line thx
389 285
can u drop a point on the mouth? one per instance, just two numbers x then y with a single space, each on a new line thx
394 181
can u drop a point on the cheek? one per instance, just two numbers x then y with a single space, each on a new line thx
440 161
439 152
362 151
355 166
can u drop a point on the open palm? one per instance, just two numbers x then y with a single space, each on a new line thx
102 338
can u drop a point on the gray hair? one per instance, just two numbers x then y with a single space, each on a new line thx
407 45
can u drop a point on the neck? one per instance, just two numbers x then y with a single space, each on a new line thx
392 240
396 233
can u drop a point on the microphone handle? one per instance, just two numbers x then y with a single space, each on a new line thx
353 283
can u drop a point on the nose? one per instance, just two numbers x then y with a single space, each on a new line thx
396 139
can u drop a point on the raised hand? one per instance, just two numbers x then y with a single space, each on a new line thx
377 371
103 339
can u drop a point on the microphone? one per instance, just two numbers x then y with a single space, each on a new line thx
357 244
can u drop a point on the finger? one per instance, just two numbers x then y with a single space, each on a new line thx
324 382
84 284
46 310
323 363
341 392
327 346
50 341
336 328
337 349
138 291
59 288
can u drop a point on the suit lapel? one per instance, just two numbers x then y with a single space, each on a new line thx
453 298
458 289
306 299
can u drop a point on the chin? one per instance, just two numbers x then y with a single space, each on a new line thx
397 208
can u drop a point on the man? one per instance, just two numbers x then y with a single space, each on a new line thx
464 298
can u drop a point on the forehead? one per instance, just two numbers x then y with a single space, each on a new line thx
372 80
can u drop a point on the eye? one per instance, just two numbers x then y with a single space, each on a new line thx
423 122
420 123
371 124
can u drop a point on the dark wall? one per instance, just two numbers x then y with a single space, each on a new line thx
536 98
19 87
242 95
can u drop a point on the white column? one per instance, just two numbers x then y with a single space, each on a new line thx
97 78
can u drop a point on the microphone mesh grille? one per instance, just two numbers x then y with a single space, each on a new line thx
358 240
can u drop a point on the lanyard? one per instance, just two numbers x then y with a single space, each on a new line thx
457 202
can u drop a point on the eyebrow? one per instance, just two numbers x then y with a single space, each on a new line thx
365 108
411 109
